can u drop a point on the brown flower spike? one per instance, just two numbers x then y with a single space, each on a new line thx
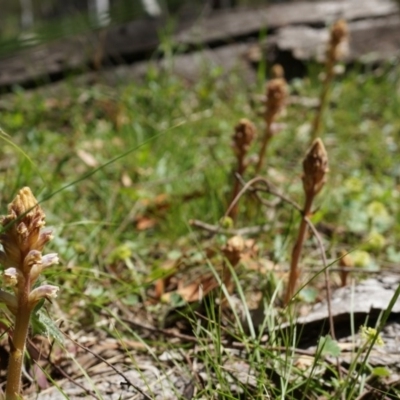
277 93
23 240
276 97
245 132
339 35
315 166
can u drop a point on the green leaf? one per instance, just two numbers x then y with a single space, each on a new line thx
130 299
308 295
176 300
381 372
328 347
41 323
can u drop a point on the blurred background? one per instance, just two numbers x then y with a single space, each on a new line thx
25 23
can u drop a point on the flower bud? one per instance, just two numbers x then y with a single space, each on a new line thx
315 166
245 133
42 292
276 96
45 262
11 277
22 227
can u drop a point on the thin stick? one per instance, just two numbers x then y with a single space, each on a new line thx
251 230
128 382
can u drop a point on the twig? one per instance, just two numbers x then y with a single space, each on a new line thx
128 382
247 186
251 230
165 332
38 356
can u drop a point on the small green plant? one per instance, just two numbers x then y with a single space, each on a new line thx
23 240
315 166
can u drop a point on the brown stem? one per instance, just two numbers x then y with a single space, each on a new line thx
296 253
266 140
241 167
17 343
319 114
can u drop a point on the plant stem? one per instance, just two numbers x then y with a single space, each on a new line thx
266 139
236 188
323 100
13 388
296 253
339 34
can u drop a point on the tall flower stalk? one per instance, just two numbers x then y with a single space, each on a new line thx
23 240
315 167
276 97
338 36
245 133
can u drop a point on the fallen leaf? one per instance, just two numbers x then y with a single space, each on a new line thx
143 223
126 180
87 158
194 291
304 362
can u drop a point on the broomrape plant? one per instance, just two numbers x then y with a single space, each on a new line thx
339 37
315 167
276 92
23 240
245 132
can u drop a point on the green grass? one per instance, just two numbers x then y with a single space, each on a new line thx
174 140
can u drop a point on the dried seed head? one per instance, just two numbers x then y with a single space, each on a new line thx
339 35
245 132
315 166
276 97
23 224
